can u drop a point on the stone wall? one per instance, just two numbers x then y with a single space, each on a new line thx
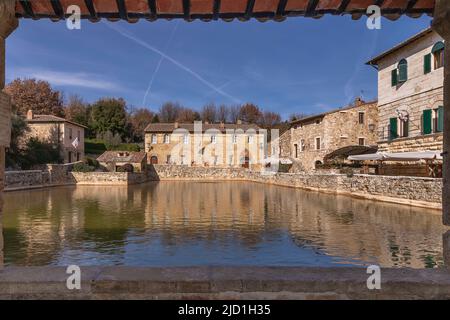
109 178
432 142
416 191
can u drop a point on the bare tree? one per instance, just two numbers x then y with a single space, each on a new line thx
209 113
223 113
234 113
169 112
270 119
187 115
297 116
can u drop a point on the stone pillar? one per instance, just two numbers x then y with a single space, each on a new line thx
8 23
441 24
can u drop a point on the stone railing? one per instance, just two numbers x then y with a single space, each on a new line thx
417 191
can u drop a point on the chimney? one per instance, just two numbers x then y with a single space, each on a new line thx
176 125
359 101
30 115
239 121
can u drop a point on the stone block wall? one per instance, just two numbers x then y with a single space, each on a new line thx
109 178
416 191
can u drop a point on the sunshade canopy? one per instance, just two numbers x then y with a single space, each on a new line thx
399 156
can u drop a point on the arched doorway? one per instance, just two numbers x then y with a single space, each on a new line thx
154 160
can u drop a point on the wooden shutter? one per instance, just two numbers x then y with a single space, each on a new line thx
393 134
427 64
427 121
394 78
440 119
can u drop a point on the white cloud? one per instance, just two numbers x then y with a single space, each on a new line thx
68 79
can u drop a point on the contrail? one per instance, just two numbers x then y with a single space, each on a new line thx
175 62
159 63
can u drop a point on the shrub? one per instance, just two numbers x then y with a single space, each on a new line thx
82 167
126 168
92 162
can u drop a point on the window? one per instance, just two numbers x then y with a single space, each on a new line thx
70 157
79 135
404 127
168 159
154 139
438 119
295 151
166 138
250 139
438 55
394 78
186 139
402 71
70 133
213 138
234 138
302 145
361 141
361 117
317 143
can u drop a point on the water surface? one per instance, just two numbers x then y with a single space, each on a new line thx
223 223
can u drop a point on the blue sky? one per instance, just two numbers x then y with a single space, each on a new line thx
300 65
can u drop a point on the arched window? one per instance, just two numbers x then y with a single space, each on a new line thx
154 160
166 138
438 54
402 70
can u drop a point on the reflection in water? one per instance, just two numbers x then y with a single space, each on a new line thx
224 223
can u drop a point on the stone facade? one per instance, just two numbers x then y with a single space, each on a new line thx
312 138
405 102
109 178
216 145
57 131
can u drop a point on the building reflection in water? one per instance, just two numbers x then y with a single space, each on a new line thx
223 223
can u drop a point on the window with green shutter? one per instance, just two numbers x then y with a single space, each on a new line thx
393 133
394 80
427 64
402 71
440 119
427 119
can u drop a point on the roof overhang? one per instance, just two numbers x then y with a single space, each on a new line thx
207 10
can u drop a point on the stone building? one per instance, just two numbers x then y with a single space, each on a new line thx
312 138
68 135
410 94
203 144
113 160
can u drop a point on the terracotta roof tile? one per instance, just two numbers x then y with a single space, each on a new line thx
207 10
122 156
47 118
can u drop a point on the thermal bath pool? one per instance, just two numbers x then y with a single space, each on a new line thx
214 223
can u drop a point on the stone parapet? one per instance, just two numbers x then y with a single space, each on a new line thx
227 283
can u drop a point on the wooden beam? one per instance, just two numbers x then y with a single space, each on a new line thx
27 7
57 8
249 9
187 9
152 8
216 9
343 6
122 9
91 8
311 8
281 7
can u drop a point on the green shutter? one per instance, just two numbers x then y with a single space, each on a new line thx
427 64
393 128
402 71
394 81
427 121
440 119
